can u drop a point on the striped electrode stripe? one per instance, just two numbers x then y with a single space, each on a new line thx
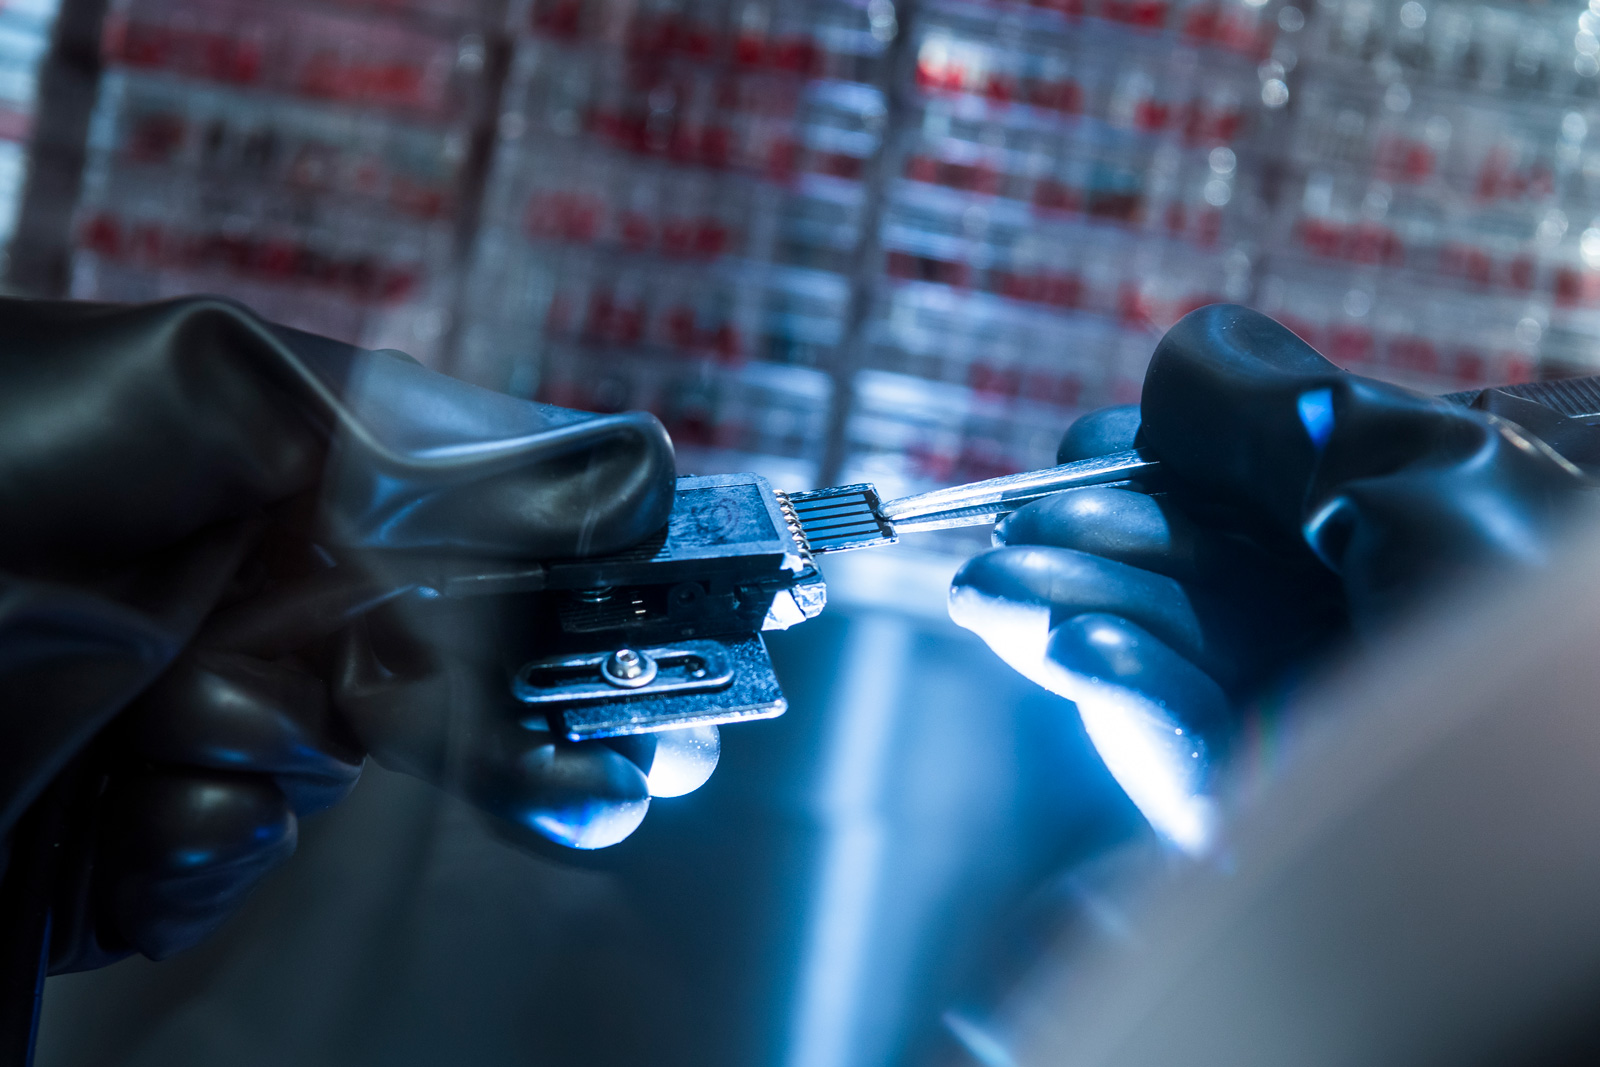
839 518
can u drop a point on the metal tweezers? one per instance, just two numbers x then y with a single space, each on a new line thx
851 516
845 517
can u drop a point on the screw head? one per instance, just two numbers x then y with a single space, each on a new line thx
627 669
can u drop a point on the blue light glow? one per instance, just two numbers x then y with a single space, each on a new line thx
983 1046
1160 767
1316 415
830 997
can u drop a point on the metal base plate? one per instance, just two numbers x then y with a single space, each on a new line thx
752 694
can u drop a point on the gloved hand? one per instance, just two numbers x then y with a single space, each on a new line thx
193 502
1297 504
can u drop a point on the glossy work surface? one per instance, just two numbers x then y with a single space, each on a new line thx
820 903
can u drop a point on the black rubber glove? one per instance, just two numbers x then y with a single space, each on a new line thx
191 504
1297 503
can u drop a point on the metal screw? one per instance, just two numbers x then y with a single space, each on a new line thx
627 669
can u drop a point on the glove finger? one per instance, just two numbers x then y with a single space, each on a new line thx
1013 597
460 730
1156 534
1100 433
1130 527
1157 720
583 795
180 850
1259 609
238 412
676 762
232 712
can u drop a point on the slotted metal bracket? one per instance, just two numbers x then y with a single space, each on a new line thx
703 682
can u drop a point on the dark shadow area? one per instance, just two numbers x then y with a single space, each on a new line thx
825 895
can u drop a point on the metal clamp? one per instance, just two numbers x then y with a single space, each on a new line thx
685 667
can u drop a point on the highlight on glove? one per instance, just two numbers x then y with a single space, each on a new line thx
1299 508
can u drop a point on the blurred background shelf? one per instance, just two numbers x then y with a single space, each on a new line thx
998 205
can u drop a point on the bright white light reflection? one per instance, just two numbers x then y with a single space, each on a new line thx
1589 246
1142 744
1017 632
828 1008
684 760
1154 761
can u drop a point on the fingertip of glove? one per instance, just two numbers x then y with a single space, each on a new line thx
631 453
675 762
1080 519
976 580
1030 573
610 827
181 851
657 476
1115 651
986 598
1113 429
584 796
999 578
171 822
309 795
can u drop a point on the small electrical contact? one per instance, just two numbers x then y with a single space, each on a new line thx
839 518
